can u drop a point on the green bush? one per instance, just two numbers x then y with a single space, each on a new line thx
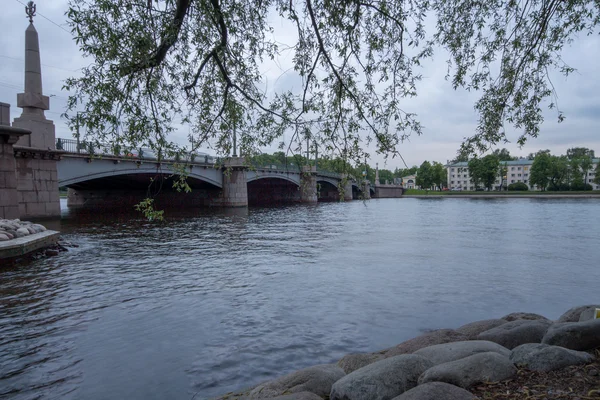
518 186
562 187
580 186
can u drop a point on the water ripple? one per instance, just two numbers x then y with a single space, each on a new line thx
212 301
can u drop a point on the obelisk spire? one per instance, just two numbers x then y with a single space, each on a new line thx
32 101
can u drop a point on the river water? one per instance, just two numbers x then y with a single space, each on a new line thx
212 301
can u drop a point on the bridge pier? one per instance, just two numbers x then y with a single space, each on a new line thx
235 183
347 188
308 184
366 190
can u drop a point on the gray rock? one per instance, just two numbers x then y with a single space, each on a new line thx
51 252
298 396
436 391
446 352
30 229
524 315
317 380
3 237
38 227
475 328
482 367
574 313
574 335
22 232
587 314
515 333
428 339
543 357
352 362
382 380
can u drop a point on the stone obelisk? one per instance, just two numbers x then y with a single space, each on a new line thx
32 100
36 156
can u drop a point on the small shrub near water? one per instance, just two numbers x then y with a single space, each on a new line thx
518 186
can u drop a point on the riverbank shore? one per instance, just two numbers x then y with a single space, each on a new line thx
518 356
502 196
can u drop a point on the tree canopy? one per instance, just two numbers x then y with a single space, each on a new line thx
156 64
425 176
484 170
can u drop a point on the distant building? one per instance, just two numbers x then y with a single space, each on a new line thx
409 182
516 171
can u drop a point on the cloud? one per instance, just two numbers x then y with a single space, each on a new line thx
447 115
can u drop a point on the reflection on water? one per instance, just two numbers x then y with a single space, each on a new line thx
214 300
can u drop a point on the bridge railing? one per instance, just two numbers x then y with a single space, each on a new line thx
91 148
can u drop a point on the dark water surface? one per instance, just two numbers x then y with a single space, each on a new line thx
214 301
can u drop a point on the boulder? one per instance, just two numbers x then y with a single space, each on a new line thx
574 313
574 335
298 396
30 229
22 232
475 328
436 391
39 228
443 353
482 367
382 380
317 380
524 315
587 314
515 333
352 362
428 339
51 252
3 237
543 357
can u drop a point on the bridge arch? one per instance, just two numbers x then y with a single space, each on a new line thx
252 176
72 171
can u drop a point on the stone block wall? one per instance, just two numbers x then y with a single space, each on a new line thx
37 186
9 204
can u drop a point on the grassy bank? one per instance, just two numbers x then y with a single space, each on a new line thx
419 192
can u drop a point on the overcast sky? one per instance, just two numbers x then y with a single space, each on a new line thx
447 115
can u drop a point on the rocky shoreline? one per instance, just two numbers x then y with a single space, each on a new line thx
453 364
15 228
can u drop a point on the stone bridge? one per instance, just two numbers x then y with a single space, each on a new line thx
110 180
33 165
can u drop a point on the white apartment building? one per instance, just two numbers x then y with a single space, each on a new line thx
516 171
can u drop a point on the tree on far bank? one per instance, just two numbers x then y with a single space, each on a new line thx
386 175
439 175
425 178
531 156
475 167
503 155
502 173
484 171
538 174
580 152
558 172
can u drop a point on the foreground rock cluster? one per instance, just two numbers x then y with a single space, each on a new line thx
444 364
15 228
